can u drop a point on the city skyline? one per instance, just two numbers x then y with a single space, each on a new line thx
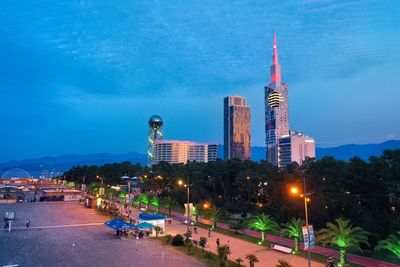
70 83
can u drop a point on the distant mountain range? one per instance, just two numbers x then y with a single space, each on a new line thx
65 162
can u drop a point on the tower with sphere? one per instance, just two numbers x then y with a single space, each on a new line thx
155 133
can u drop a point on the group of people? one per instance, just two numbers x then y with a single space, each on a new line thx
217 241
129 232
7 223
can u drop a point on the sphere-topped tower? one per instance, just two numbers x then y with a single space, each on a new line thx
155 133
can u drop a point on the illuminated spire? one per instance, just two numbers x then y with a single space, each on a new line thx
275 67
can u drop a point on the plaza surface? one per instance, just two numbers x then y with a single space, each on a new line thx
67 234
238 247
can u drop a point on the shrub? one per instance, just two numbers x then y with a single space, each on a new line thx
177 240
168 238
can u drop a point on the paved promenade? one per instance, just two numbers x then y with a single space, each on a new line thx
67 234
239 248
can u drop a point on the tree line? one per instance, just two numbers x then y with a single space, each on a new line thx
367 193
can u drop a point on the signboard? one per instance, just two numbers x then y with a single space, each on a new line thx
311 236
10 215
191 210
308 237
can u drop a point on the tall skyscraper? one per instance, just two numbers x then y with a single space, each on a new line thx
237 139
276 109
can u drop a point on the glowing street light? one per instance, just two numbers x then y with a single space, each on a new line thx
295 191
180 182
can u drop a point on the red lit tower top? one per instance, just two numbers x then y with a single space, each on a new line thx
275 67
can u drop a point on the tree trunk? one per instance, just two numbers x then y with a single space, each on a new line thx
342 256
296 245
262 236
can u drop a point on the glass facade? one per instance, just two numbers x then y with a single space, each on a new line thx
237 137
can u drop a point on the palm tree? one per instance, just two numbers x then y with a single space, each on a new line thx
156 203
391 243
263 223
145 200
169 202
223 252
283 263
158 230
252 259
214 216
239 261
202 243
238 226
343 235
293 230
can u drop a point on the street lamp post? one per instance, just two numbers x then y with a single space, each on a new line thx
305 195
188 201
180 182
306 214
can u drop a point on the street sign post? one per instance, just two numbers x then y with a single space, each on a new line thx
9 217
308 237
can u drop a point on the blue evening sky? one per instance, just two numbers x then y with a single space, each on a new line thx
85 76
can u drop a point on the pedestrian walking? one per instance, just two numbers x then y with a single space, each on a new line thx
195 229
217 241
227 245
209 232
28 223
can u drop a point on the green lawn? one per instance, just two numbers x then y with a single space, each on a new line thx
206 257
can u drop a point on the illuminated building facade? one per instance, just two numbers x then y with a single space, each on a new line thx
237 138
282 146
276 109
155 133
295 147
173 151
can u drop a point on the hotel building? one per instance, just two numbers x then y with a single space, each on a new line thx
237 140
174 151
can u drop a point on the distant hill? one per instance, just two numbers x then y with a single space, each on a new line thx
343 152
65 162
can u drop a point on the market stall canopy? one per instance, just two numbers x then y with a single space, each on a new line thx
144 225
151 217
118 224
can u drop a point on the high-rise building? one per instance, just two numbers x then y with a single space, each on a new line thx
295 147
173 151
237 143
282 146
276 109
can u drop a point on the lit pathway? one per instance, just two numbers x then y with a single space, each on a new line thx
239 248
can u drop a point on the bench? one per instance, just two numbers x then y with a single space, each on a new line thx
282 248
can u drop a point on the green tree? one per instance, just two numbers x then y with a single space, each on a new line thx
157 229
252 259
223 252
283 263
263 223
239 261
293 230
391 243
145 200
237 226
214 216
344 236
188 240
202 243
156 203
169 202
